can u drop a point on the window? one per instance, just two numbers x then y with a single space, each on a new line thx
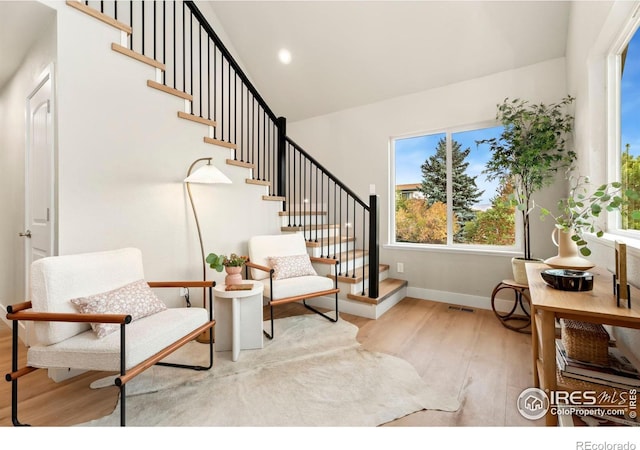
442 195
630 128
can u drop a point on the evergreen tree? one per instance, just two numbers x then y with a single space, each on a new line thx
434 181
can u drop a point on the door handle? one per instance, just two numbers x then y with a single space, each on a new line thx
25 234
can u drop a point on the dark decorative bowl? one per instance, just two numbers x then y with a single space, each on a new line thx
568 280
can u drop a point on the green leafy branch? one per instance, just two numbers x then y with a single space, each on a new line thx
580 211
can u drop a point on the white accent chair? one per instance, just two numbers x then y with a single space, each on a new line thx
262 250
64 338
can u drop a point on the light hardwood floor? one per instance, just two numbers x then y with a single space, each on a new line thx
468 354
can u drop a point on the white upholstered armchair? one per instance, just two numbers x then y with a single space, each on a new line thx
94 311
281 263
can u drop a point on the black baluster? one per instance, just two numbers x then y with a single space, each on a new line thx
354 225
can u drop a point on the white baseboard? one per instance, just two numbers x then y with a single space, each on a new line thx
376 311
453 298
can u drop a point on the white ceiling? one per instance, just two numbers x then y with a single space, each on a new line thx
349 53
20 25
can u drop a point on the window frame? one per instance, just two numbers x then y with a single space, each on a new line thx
450 246
614 119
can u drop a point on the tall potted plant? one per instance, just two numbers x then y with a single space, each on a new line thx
529 152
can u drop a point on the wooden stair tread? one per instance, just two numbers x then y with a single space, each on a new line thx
328 241
320 226
235 162
137 56
386 288
258 182
100 16
198 119
360 273
302 213
169 90
214 141
274 198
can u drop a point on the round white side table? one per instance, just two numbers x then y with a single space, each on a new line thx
238 317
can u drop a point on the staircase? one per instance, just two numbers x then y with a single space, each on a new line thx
329 240
335 222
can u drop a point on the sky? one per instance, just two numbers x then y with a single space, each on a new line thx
630 98
411 153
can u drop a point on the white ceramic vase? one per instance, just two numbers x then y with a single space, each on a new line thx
568 253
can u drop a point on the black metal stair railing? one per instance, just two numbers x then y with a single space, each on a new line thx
331 216
197 63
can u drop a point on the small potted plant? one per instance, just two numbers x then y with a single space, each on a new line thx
232 264
578 215
528 153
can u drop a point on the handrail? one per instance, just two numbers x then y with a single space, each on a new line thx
225 52
333 177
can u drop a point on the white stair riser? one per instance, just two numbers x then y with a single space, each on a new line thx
359 262
315 233
390 301
300 220
332 249
359 308
324 269
356 288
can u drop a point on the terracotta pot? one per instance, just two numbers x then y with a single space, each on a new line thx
568 253
234 275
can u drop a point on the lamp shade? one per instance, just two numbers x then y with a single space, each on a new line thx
207 174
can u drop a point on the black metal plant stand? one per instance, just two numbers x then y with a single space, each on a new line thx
510 319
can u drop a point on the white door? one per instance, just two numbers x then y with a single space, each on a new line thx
39 233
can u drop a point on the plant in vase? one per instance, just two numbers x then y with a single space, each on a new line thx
232 264
579 214
528 153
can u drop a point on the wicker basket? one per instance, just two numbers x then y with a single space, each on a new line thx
585 341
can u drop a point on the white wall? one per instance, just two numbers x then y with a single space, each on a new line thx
594 28
122 156
12 157
354 145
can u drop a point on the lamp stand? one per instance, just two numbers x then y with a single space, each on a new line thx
204 336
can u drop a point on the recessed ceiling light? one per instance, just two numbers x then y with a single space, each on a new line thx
284 56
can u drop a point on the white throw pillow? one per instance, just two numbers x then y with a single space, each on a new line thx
136 299
291 266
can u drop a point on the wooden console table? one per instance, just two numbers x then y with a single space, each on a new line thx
549 304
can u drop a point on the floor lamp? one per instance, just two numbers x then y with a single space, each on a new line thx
207 174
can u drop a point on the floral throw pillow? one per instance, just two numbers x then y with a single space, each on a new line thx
136 299
291 266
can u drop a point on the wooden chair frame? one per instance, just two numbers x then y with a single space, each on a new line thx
304 297
21 311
